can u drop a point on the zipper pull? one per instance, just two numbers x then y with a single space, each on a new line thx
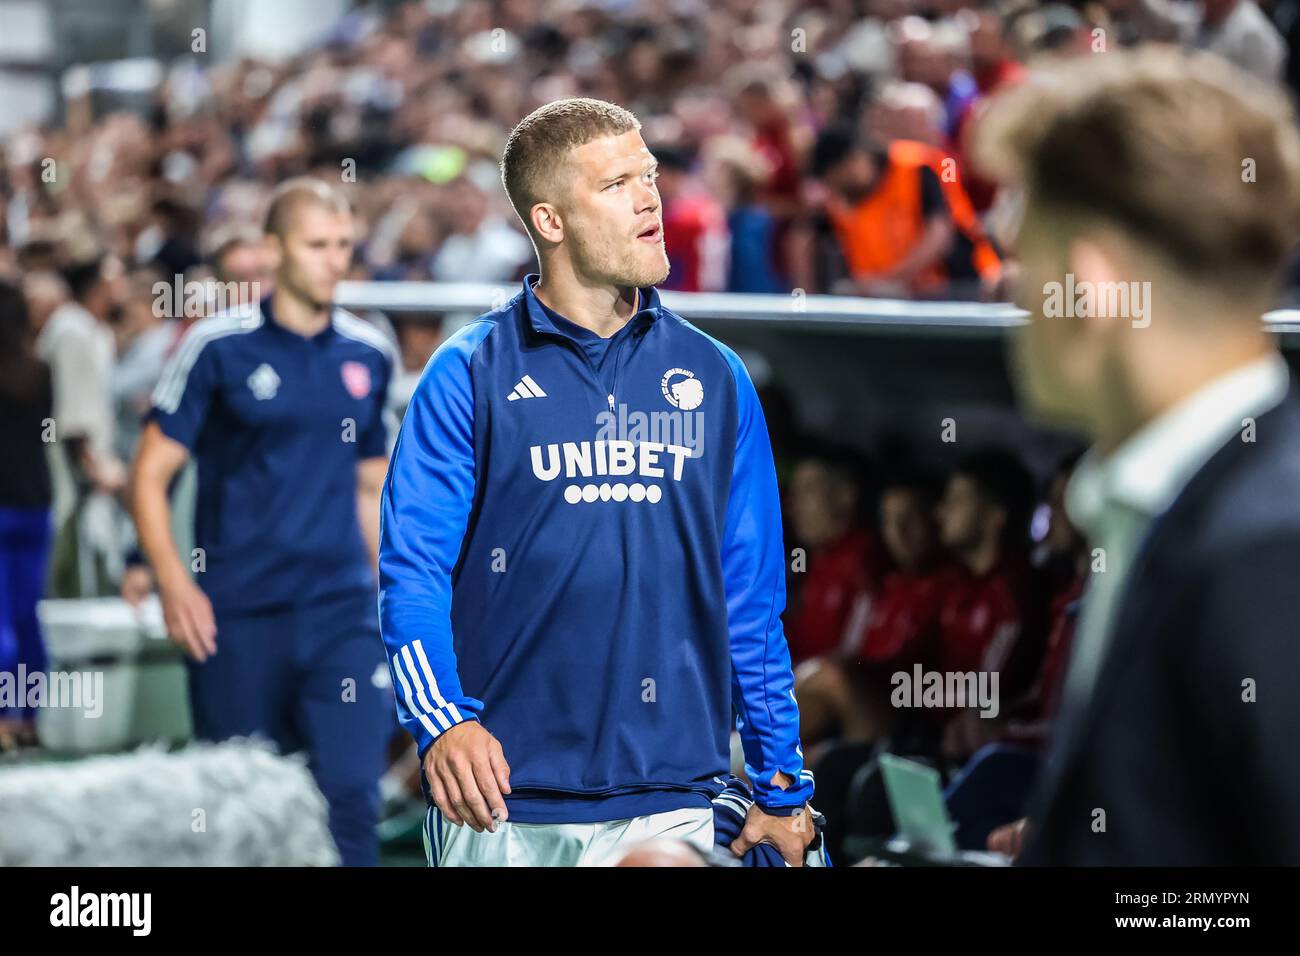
611 402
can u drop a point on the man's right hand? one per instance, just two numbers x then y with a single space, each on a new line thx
467 774
187 612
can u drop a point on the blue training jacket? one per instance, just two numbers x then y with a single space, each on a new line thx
590 563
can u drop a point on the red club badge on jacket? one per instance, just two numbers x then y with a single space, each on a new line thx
356 379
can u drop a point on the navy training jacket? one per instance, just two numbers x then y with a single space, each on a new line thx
588 560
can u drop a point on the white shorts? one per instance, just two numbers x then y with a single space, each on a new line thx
559 844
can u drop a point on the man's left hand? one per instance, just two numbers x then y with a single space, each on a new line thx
790 835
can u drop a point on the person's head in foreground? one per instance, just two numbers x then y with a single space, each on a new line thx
662 853
582 181
1162 197
310 231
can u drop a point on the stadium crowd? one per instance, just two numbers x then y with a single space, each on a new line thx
818 147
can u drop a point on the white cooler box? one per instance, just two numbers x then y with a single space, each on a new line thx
143 695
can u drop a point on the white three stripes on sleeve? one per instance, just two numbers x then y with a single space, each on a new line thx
414 679
170 389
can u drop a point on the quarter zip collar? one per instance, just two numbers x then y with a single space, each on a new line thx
540 322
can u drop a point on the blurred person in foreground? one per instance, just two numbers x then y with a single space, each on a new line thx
1176 737
282 403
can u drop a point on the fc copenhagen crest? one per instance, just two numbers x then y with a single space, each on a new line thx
682 389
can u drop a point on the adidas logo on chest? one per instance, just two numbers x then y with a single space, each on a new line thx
525 388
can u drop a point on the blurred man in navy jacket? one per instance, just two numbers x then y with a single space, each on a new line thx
1162 199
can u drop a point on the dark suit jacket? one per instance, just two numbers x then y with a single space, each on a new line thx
1186 771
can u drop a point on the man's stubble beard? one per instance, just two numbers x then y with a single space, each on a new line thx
623 270
300 293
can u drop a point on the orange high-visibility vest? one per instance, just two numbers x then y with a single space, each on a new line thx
883 228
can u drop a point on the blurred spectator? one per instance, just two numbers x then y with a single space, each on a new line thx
418 337
145 338
988 610
734 172
900 625
1240 32
894 624
1237 30
1058 583
169 238
761 102
77 343
984 522
824 500
239 256
935 56
994 69
896 221
480 245
695 227
26 403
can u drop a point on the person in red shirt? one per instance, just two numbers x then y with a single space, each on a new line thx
1058 581
994 68
894 623
900 619
994 785
695 227
837 556
765 104
984 522
987 619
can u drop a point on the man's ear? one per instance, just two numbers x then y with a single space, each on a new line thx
547 222
1097 264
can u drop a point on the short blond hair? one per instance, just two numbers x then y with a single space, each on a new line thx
301 191
537 145
1194 158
